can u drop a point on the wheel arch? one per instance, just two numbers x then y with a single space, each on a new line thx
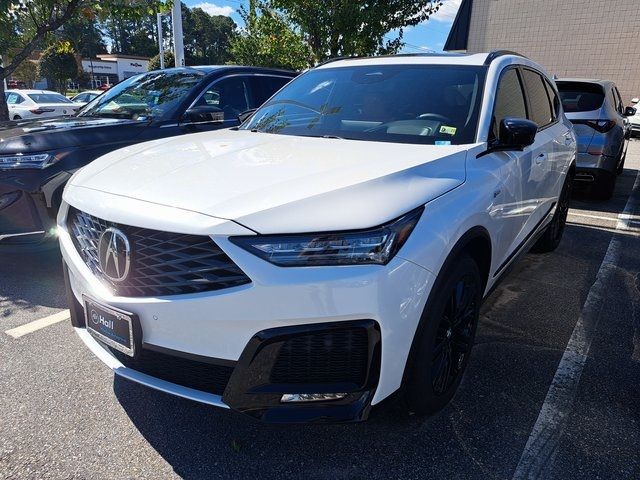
475 242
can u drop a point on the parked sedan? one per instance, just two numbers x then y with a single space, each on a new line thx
85 97
38 157
26 104
599 119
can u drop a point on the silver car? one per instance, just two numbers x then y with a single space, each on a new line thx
600 122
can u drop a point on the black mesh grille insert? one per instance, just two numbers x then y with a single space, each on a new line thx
181 371
332 356
162 263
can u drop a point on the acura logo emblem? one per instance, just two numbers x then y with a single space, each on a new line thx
114 254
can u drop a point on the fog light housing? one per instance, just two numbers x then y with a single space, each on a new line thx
9 199
311 397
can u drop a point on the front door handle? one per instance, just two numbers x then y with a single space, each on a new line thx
540 158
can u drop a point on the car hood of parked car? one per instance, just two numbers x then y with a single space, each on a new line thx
27 136
277 183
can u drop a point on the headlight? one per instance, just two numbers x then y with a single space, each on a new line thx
372 246
35 160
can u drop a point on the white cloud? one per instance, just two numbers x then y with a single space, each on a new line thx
447 12
213 9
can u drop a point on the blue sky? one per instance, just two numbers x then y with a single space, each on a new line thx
430 35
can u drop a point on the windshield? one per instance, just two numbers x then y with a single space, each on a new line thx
431 104
580 96
154 95
48 98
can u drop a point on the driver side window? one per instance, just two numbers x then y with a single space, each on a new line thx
509 101
229 94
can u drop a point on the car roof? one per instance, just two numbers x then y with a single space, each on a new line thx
433 58
221 68
26 91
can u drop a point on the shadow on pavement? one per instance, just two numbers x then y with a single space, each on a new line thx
31 280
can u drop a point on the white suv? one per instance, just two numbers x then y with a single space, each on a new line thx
332 250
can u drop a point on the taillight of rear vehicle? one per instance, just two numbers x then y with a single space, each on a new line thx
40 110
602 126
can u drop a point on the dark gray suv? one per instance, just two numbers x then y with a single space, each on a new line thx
598 115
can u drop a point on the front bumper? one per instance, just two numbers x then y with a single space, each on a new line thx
28 205
229 326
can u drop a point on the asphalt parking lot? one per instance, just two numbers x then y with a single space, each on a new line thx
552 389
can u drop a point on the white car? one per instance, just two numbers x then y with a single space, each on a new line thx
26 104
332 250
85 97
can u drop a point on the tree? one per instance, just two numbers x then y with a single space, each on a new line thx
24 24
58 63
207 38
269 40
354 27
27 71
85 36
169 60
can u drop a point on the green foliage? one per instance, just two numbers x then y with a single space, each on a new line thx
85 36
27 72
58 63
169 61
207 38
269 40
354 27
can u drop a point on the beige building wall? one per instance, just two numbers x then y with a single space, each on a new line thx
570 38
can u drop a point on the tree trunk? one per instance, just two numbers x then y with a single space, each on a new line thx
4 108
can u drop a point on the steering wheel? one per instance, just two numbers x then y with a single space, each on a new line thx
435 116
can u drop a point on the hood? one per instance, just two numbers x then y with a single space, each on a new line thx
54 133
279 183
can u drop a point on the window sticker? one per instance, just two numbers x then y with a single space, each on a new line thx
443 142
448 130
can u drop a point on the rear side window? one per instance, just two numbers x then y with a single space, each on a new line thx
48 98
580 96
509 101
539 105
263 87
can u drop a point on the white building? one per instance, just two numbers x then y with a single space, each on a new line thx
111 68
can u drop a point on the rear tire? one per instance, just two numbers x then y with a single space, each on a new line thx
552 236
17 117
444 344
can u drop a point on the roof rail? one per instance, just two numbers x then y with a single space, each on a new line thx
499 53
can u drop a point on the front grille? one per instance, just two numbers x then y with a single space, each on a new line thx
162 263
189 373
332 356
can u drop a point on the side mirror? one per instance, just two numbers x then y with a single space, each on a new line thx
516 134
629 111
204 114
635 100
246 114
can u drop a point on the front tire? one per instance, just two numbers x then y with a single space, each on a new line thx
444 343
552 236
17 117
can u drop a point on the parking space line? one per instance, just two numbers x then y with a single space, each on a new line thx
38 324
544 439
595 217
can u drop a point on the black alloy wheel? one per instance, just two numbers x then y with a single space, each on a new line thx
444 340
454 336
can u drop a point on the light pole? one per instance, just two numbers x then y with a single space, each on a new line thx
160 43
178 44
